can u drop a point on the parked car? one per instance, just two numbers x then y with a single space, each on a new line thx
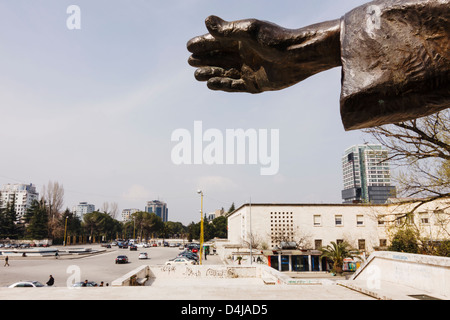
121 259
143 255
88 284
133 247
26 284
106 245
180 260
189 256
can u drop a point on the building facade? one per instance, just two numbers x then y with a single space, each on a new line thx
126 214
83 208
366 175
159 208
22 195
291 235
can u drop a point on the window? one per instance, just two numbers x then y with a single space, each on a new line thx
424 218
338 220
360 220
361 244
317 220
383 243
318 244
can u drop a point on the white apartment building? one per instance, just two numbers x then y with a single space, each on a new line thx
126 214
365 227
22 195
82 208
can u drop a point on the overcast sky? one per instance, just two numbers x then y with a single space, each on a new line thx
94 109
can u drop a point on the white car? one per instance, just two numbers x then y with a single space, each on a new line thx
26 284
143 255
180 260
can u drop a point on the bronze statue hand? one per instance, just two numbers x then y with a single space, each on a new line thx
255 56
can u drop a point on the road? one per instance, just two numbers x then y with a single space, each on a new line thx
96 267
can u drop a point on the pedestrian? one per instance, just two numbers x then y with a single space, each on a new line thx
84 283
6 261
101 284
50 281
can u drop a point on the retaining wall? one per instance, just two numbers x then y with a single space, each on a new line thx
428 273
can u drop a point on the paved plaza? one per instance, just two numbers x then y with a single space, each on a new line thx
333 288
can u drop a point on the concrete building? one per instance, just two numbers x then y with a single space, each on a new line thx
22 195
159 208
215 214
366 175
291 235
82 208
126 214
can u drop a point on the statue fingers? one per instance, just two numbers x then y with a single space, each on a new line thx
226 60
227 84
236 30
206 73
207 43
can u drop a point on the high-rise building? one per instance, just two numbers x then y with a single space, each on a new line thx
367 176
159 208
22 195
82 208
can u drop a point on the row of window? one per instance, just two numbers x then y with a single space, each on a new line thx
338 220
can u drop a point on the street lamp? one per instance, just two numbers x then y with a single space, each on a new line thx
65 231
200 192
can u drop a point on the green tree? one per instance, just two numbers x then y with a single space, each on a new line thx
337 252
405 240
73 223
8 222
36 219
100 225
220 227
144 225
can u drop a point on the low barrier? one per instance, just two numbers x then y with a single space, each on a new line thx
268 275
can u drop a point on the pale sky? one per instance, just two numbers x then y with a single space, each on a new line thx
94 109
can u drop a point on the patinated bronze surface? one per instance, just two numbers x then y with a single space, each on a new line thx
394 56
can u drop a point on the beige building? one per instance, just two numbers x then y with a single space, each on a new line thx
308 227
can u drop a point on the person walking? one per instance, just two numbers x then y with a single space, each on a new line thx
6 261
50 281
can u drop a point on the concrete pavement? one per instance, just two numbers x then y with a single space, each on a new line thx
224 289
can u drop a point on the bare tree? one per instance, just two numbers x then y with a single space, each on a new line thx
112 209
53 195
420 149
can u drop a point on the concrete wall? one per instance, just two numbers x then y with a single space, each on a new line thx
198 271
265 273
428 273
140 273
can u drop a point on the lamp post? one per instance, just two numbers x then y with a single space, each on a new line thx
251 234
65 231
201 226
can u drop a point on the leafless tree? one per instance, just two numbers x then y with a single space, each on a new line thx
420 151
53 195
112 209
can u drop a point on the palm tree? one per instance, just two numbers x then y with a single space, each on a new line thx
337 252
